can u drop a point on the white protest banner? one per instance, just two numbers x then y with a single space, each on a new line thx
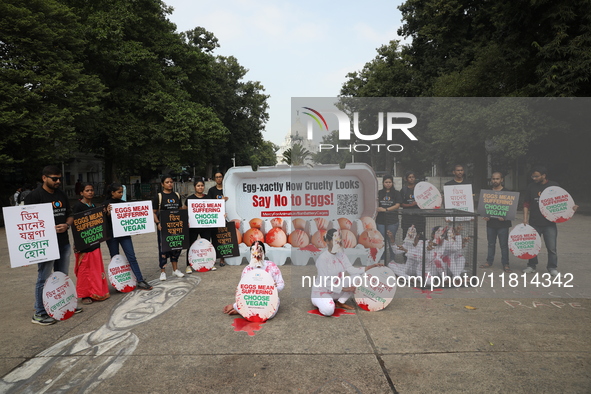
121 276
30 234
427 196
256 296
556 204
378 286
202 255
207 213
132 218
59 296
458 197
524 241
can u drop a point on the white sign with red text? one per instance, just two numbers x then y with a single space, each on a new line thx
378 286
59 296
556 204
524 241
207 213
202 255
458 197
257 299
132 218
30 234
427 196
120 274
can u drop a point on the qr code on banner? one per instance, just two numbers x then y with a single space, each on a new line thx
347 204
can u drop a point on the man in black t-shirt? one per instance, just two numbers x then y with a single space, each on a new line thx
49 192
497 228
217 192
459 178
534 217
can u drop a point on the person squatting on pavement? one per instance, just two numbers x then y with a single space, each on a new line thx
328 292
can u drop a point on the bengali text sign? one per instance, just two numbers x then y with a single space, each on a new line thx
30 232
175 230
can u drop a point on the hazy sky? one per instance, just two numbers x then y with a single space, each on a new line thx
294 48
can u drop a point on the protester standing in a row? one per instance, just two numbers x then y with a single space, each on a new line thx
195 233
115 192
49 192
91 281
217 192
167 200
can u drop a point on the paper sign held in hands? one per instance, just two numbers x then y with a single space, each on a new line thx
30 234
59 296
257 299
556 204
427 196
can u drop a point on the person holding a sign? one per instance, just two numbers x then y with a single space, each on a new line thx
533 216
497 227
202 232
115 192
217 191
258 261
389 201
166 200
91 284
408 202
328 290
49 192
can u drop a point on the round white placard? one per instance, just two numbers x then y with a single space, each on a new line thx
256 296
202 255
556 204
374 293
524 241
121 276
427 196
59 296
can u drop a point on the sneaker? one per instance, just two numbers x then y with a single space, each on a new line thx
143 285
213 269
178 273
78 310
44 320
163 276
554 272
529 270
189 270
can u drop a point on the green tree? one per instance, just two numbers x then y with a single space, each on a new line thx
296 155
332 156
45 94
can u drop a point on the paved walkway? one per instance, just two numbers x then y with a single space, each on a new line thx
519 340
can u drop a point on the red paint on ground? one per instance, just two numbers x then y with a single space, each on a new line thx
311 248
365 307
68 314
337 312
428 292
248 327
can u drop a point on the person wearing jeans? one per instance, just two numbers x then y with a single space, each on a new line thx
497 227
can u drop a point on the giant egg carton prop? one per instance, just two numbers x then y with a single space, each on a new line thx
291 208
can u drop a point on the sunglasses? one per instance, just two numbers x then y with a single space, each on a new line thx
55 178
